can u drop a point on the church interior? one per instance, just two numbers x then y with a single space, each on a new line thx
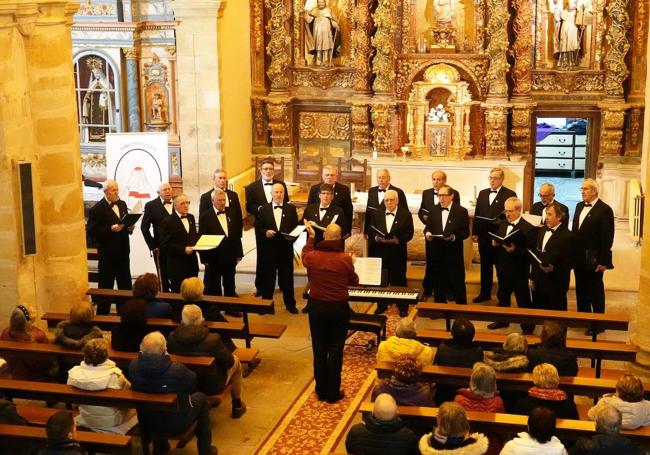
547 90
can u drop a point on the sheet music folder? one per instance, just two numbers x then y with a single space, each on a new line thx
208 242
293 235
369 271
130 219
501 240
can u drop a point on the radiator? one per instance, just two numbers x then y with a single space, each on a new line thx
636 207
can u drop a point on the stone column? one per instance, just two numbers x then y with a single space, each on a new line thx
198 86
38 124
132 88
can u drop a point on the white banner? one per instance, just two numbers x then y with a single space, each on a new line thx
138 162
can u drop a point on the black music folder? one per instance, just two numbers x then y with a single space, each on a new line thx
506 239
130 219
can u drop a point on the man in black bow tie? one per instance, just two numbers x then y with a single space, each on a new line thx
593 227
274 220
325 213
178 235
342 197
376 196
258 194
155 211
487 215
547 196
112 238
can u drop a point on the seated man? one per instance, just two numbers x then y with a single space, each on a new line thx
404 343
552 349
61 431
155 372
382 432
193 338
608 441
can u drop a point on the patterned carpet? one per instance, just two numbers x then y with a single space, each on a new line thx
311 427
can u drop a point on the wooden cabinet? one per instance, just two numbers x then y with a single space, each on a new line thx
561 151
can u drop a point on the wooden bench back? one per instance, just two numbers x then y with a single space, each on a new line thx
102 442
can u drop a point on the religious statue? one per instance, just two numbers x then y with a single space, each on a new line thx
444 10
97 108
569 27
322 37
438 114
157 107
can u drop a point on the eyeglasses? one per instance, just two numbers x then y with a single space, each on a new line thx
545 195
442 194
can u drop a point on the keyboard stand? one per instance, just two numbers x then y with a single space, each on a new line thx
372 323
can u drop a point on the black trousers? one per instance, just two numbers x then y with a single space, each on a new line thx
218 273
513 281
449 279
428 282
161 259
328 324
280 265
394 275
551 292
590 290
488 261
110 271
259 263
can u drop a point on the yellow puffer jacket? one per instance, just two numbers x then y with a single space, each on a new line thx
394 347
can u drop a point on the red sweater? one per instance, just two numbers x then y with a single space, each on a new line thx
471 401
330 270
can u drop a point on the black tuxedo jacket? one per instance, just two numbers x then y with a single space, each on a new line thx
256 197
596 235
233 203
457 224
312 213
230 248
428 201
524 239
483 208
538 209
558 253
373 203
100 219
266 221
341 198
402 229
153 216
173 240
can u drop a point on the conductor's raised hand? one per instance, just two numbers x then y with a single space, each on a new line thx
310 229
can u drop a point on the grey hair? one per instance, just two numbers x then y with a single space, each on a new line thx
608 420
192 315
483 381
218 171
153 343
516 342
591 183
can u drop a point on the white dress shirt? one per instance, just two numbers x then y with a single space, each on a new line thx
277 214
223 220
390 220
185 221
493 196
547 236
169 207
267 190
585 211
444 216
510 227
381 194
115 208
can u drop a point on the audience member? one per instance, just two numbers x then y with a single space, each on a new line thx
404 343
61 432
193 338
382 432
629 401
545 392
552 349
460 351
20 329
98 372
80 329
608 441
482 394
403 385
539 440
452 435
510 359
153 371
128 334
146 287
9 416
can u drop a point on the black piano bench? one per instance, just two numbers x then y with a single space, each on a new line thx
361 322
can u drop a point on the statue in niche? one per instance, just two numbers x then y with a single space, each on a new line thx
440 14
156 108
322 37
570 24
444 10
438 114
97 109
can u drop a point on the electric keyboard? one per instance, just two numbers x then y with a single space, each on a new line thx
377 293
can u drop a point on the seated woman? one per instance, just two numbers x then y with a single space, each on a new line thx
511 358
146 287
98 372
482 394
80 329
403 385
539 440
452 436
552 349
546 393
128 334
628 399
20 329
404 343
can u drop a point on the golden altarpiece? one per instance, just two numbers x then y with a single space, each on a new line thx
445 79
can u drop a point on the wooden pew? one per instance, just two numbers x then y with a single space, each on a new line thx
93 442
595 321
579 385
508 425
597 350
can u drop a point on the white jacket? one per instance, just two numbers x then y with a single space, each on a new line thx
478 447
635 415
100 377
523 444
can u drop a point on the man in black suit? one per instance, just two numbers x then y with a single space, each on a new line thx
390 231
112 238
447 227
593 227
512 261
276 250
488 213
220 263
258 194
155 211
547 196
178 235
232 199
429 200
549 280
376 197
342 196
325 213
